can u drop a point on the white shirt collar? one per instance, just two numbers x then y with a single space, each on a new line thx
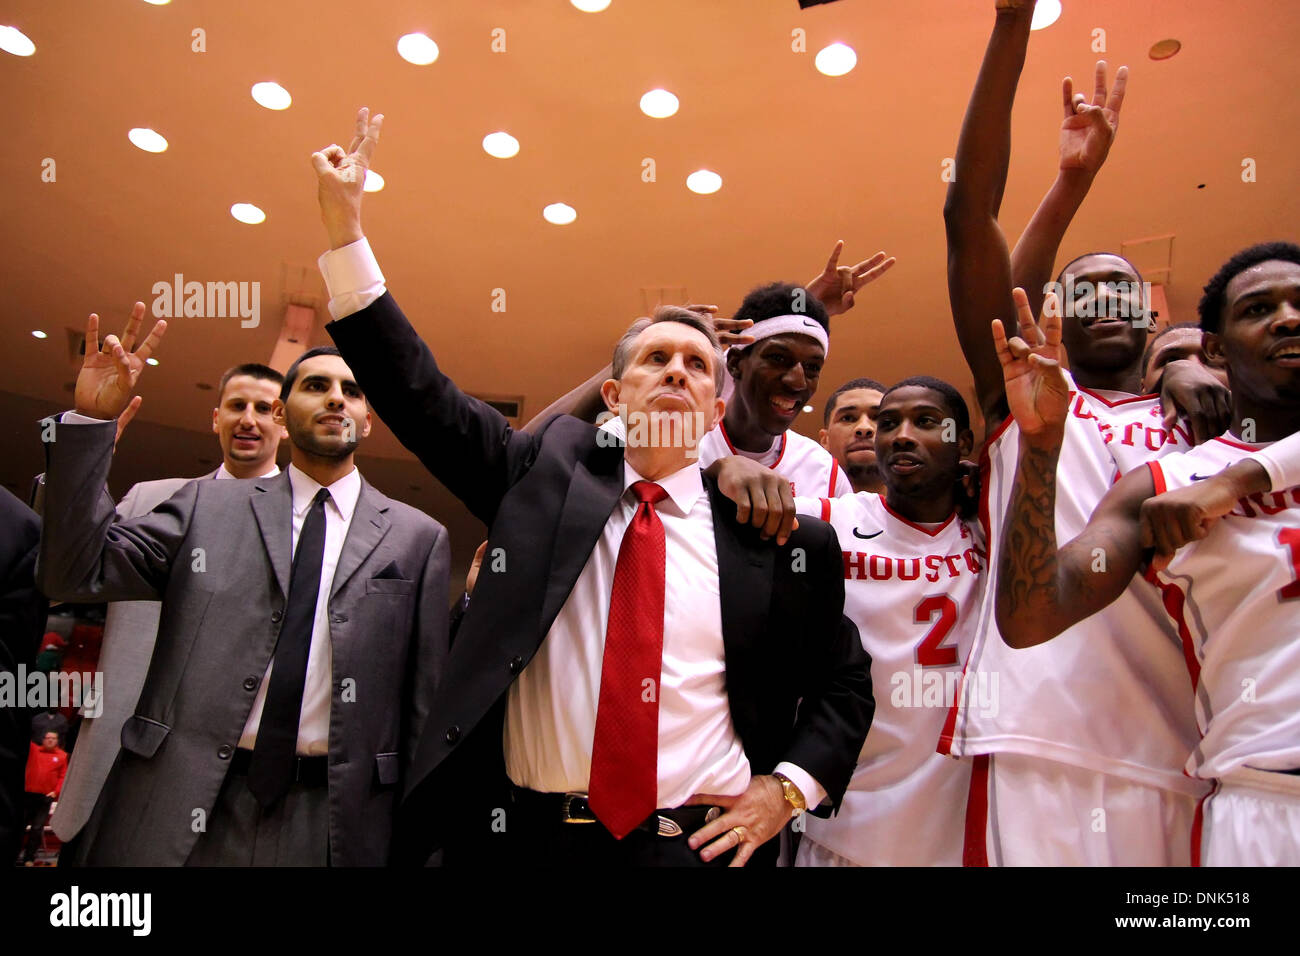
343 493
684 486
224 472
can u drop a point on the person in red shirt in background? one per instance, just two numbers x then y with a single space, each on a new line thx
47 765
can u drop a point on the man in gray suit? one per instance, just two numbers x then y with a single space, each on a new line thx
249 439
303 631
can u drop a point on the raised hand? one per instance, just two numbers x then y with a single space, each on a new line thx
730 332
341 179
107 378
1037 392
837 285
1088 130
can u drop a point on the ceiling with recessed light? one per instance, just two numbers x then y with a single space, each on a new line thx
802 158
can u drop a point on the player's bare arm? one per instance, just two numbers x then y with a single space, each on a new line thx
1179 517
1042 589
763 498
1189 390
979 263
1087 134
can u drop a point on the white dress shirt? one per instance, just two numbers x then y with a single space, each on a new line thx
551 709
314 722
224 472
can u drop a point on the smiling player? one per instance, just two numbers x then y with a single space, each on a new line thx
913 572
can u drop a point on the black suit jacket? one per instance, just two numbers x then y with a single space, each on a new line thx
798 679
22 621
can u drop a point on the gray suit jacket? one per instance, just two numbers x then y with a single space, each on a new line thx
218 555
130 630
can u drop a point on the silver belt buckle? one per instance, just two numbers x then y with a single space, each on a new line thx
566 805
669 828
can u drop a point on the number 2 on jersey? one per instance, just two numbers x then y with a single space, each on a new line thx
929 653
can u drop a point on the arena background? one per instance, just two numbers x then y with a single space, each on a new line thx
805 159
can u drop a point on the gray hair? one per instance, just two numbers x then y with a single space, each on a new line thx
669 313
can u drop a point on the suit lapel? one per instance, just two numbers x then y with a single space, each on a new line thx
745 579
368 527
273 509
587 506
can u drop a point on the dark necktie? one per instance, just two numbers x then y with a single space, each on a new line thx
624 784
271 769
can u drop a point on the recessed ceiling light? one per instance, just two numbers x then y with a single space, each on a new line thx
836 59
374 182
1164 49
151 361
37 333
147 139
590 6
247 212
158 3
1045 14
13 40
271 95
417 48
807 408
500 145
559 213
703 181
659 104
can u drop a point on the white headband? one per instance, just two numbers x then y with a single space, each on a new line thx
790 324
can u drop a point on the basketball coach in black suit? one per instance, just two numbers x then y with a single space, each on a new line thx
634 658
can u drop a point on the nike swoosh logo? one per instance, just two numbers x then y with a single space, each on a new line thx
810 324
1196 477
866 537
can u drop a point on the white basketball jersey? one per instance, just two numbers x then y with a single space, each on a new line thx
811 470
1110 694
914 595
1235 596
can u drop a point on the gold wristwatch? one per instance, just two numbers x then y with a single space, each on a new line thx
792 795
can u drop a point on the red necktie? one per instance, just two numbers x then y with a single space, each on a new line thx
625 751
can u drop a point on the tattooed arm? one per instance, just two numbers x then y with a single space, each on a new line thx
1043 590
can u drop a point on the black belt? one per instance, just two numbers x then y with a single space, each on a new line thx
574 808
308 771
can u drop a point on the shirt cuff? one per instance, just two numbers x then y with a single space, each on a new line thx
75 418
812 790
352 276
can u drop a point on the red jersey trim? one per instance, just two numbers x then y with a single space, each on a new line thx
1116 404
1242 445
913 524
722 427
826 509
986 467
1158 477
975 851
